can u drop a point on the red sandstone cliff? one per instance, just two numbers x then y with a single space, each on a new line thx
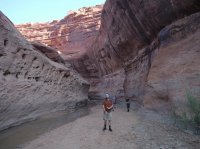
128 35
123 52
175 67
71 35
144 50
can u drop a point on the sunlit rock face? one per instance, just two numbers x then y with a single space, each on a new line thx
72 35
30 83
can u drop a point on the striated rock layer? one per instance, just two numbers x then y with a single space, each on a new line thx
48 51
175 68
30 83
72 36
129 29
125 59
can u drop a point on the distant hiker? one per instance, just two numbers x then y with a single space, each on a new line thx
128 104
107 112
114 100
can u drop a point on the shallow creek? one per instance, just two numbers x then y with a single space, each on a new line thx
15 137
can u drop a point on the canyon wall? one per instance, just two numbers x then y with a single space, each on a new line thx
175 69
72 36
121 57
30 83
129 34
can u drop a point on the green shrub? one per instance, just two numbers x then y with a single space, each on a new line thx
184 119
194 105
190 121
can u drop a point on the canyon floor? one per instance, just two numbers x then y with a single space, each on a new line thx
137 129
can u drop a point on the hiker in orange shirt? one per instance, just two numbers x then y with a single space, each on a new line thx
107 112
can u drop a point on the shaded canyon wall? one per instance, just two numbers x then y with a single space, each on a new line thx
175 68
129 34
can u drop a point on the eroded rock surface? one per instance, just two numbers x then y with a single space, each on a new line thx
71 35
129 26
175 68
129 33
30 83
49 52
121 59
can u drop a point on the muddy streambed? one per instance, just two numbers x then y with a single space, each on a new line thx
14 138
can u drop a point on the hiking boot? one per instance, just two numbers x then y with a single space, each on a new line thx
110 128
104 128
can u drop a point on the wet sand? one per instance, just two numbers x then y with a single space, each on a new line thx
14 137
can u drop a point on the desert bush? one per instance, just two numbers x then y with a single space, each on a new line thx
191 118
194 105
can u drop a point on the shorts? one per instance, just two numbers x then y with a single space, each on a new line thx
107 116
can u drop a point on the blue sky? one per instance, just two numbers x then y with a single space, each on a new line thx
22 11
